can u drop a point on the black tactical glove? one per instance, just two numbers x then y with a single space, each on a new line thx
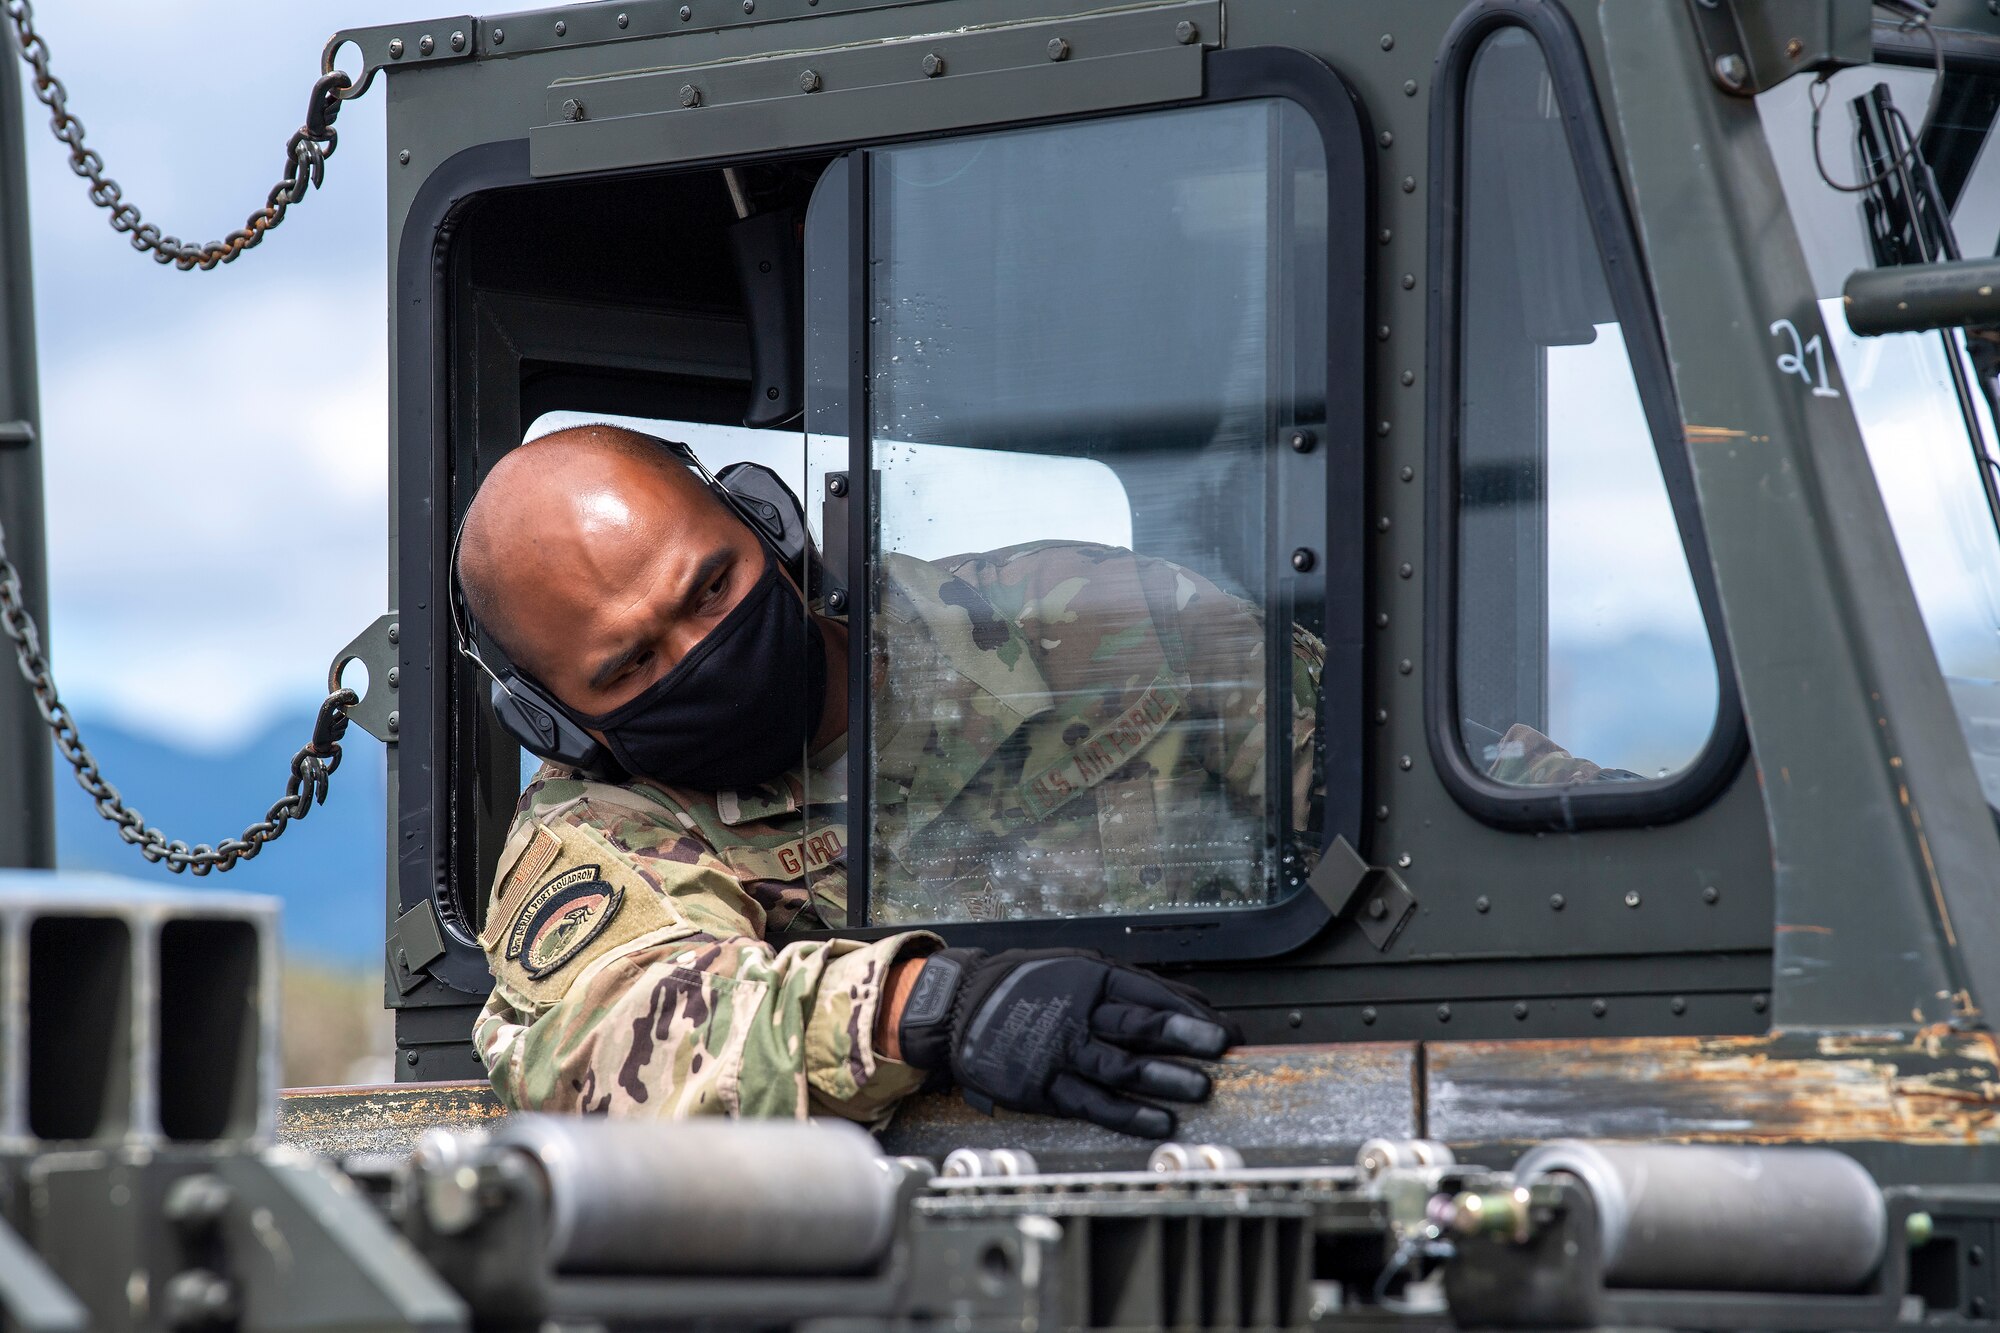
1061 1032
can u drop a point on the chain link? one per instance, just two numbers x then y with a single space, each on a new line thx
305 158
311 766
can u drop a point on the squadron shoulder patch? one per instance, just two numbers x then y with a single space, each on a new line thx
562 916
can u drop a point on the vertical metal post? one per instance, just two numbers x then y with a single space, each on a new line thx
27 824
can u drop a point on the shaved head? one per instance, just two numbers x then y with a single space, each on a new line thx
571 532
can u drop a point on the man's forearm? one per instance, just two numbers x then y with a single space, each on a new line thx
889 1014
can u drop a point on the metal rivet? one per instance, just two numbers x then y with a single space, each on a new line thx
1482 904
499 36
1599 1008
403 157
1444 1013
572 109
1410 88
395 633
1377 908
1381 717
1711 895
1381 620
1382 333
1409 281
1409 378
1631 897
1385 235
1520 1010
836 485
1406 666
1409 185
690 95
836 600
1678 1005
1368 1014
1975 1255
1557 902
749 6
1303 559
1760 1002
1408 473
425 45
624 20
1387 139
1382 523
1405 763
1295 1018
409 1057
562 27
458 41
1405 569
1388 42
1732 71
1381 812
1795 48
1187 33
1403 861
1382 428
395 48
933 64
395 677
687 12
395 720
809 81
1302 441
1058 49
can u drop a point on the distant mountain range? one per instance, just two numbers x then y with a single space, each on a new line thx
327 869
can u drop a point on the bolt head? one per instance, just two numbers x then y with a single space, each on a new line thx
395 677
1388 42
1295 1018
1387 139
933 65
1381 812
1732 72
1368 1014
749 6
1599 1008
1631 897
1409 185
836 485
1403 861
409 1057
1406 763
836 601
425 45
561 27
690 95
1406 666
1058 49
1520 1011
1678 1005
1444 1013
1409 377
687 12
1377 908
1409 88
1186 33
395 48
458 41
1408 474
1381 717
1712 895
1302 441
1409 282
403 159
1557 902
1482 904
572 110
809 81
395 719
499 36
624 20
1303 559
1405 569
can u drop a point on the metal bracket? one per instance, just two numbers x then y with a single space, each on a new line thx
16 434
393 45
374 648
415 943
1380 903
1756 46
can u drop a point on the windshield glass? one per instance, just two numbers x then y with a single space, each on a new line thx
1925 438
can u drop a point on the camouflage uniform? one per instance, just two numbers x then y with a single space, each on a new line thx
1525 757
1059 728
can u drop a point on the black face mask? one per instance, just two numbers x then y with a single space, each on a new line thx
739 709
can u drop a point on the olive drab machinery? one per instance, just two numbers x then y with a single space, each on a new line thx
1595 401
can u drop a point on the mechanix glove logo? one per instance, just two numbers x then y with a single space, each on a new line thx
562 917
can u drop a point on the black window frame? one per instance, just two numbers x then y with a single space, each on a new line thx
1580 806
448 811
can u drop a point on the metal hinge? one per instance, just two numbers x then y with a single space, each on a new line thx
415 943
1374 896
1755 46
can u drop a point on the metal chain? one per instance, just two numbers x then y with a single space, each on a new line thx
305 157
311 766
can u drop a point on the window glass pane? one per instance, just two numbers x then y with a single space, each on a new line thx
1582 653
1083 342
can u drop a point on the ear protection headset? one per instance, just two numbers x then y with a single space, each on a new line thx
532 715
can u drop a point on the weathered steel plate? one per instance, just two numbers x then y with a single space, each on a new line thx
382 1118
1277 1105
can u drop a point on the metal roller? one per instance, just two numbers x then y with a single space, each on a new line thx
980 1163
1698 1217
709 1196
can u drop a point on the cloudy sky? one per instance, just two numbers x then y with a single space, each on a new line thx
216 460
